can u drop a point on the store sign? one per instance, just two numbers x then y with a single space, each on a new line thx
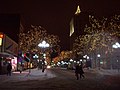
0 41
11 46
1 37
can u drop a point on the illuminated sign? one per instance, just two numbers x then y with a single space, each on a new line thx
1 35
0 41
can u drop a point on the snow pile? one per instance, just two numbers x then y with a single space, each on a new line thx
34 74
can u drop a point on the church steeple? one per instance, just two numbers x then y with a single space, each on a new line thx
78 10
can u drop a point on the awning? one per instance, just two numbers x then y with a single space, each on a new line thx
4 55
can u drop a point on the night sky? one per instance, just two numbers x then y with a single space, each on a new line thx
55 15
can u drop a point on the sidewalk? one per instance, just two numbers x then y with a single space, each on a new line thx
35 74
104 71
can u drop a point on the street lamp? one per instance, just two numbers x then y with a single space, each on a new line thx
99 60
98 55
116 46
44 44
87 61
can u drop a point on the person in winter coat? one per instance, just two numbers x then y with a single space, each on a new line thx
20 68
79 71
9 68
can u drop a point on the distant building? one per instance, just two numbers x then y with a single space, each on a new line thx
77 24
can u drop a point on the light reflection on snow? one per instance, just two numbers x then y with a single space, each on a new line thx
19 72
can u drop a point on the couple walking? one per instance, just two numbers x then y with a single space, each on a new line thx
79 71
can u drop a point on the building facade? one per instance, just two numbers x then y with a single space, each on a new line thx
77 25
8 53
9 28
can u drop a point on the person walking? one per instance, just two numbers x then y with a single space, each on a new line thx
9 68
79 71
20 68
43 65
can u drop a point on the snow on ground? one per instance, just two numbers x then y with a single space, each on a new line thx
34 74
104 71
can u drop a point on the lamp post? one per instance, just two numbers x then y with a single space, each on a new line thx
98 60
116 46
43 45
87 60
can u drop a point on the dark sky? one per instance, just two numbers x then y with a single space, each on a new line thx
55 15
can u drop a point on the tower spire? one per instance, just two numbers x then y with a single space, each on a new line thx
78 10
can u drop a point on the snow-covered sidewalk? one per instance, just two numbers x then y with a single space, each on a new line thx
104 71
34 74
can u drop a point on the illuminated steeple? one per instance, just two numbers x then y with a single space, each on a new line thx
78 10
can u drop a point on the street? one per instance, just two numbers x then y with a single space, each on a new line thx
59 79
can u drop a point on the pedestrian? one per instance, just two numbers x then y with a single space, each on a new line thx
79 71
9 68
43 65
43 68
20 68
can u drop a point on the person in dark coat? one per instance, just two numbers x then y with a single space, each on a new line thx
79 71
9 68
